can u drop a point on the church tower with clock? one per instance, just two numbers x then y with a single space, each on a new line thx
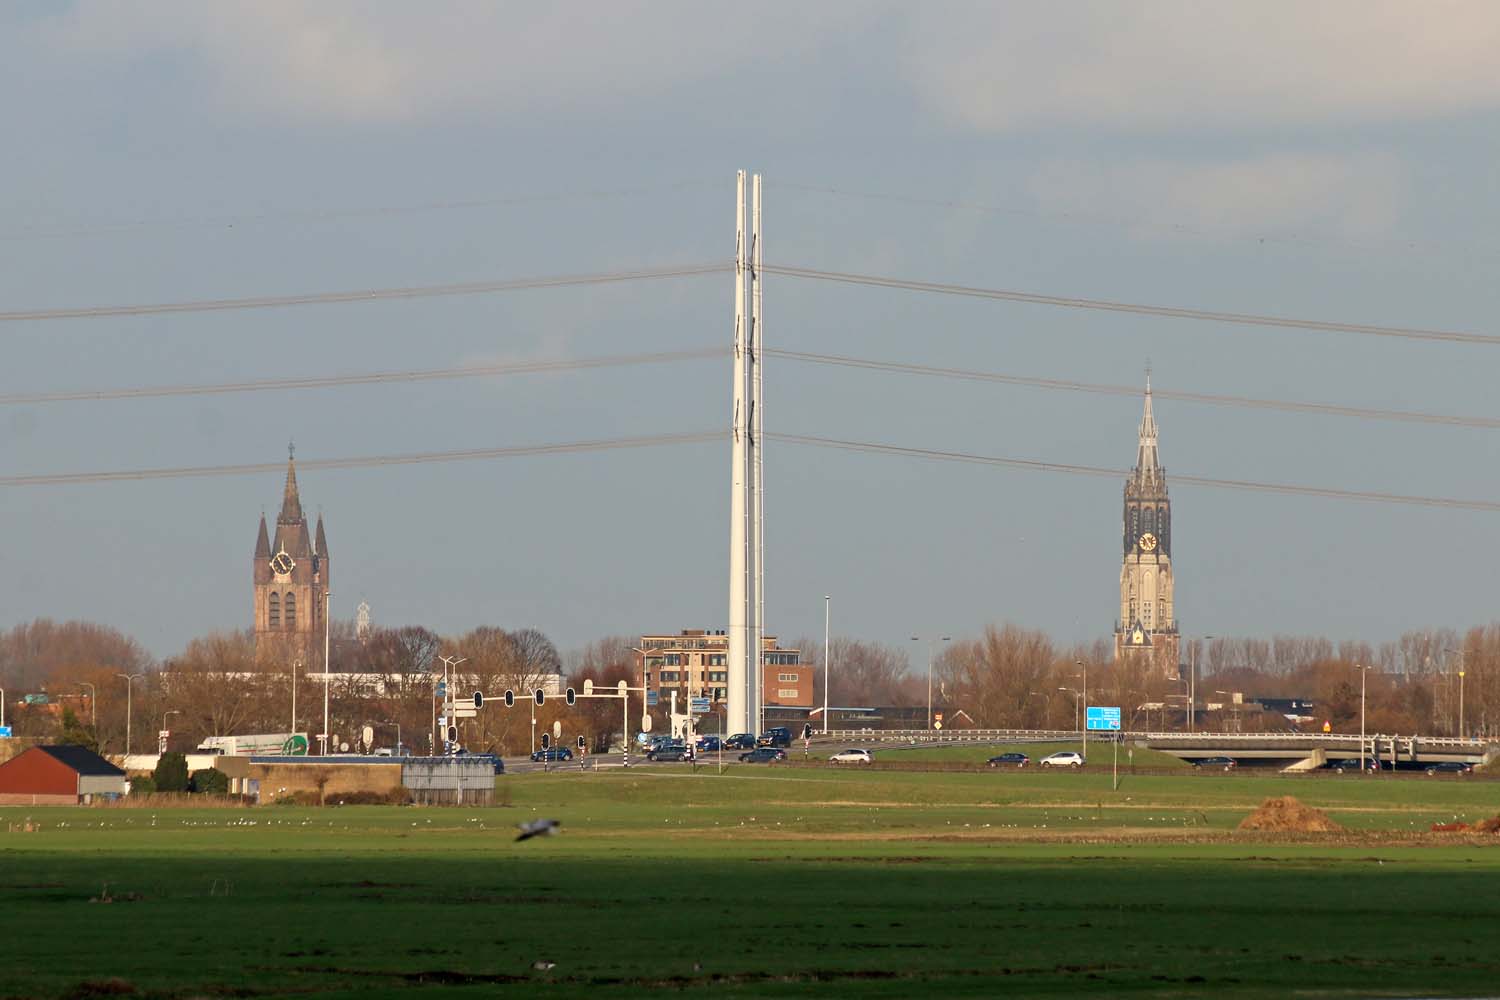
290 581
1147 625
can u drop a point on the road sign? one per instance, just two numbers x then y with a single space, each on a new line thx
645 723
556 731
698 706
4 732
462 711
652 698
1103 717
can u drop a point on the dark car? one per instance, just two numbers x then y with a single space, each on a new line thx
1217 763
493 759
709 744
668 751
762 755
552 753
1450 767
740 741
1355 764
779 736
1010 760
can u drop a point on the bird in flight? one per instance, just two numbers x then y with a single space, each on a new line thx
538 828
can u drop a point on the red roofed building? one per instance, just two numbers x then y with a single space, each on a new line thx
59 776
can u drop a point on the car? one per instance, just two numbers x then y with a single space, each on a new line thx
853 755
763 755
1063 758
657 742
709 744
551 753
740 741
669 751
1009 760
1355 764
492 759
1217 763
778 736
1450 767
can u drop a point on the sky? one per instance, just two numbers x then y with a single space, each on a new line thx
1330 161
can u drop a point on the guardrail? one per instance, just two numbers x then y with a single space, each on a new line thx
949 736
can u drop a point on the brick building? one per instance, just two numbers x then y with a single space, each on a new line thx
694 662
59 776
291 577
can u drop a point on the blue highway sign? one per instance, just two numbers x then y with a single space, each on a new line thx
1103 717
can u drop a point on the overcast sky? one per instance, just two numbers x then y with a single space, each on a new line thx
1331 161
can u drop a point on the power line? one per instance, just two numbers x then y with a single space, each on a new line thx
66 231
1294 406
365 378
1106 305
1488 506
367 462
364 295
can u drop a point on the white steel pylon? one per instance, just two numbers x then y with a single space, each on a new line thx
746 592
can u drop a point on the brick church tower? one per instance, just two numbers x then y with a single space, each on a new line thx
290 580
1147 625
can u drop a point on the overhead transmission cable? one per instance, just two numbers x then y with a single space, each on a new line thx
972 375
1106 305
1030 465
361 378
364 462
363 295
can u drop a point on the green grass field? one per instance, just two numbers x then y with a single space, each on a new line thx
784 882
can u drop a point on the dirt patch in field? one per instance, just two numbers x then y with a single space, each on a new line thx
1287 815
1491 825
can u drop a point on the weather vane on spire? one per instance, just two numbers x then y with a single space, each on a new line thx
1148 374
291 450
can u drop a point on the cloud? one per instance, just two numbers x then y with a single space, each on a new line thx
1350 195
380 60
1176 64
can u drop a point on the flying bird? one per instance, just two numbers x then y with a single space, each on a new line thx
538 828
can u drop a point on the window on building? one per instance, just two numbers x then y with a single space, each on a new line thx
1161 612
668 675
787 678
1146 614
275 611
291 610
1132 611
786 692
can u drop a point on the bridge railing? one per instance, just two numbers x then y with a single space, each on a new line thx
953 736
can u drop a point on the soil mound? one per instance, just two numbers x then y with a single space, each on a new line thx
1491 825
1287 815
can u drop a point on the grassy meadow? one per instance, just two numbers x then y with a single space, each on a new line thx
778 882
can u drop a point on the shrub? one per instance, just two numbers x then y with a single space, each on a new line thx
143 784
210 781
171 773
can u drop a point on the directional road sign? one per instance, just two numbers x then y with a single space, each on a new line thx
652 698
698 706
1103 717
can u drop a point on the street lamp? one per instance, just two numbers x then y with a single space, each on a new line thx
2 708
453 661
327 596
1460 690
827 618
93 706
1074 693
931 652
393 722
295 665
1083 671
164 715
130 680
1193 682
1047 695
1235 705
1363 672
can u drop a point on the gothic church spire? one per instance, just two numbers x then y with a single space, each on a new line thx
1147 462
291 503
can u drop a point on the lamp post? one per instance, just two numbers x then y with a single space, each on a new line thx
1236 707
931 652
1363 672
827 618
295 665
129 690
327 603
1460 690
1047 696
1193 683
393 722
1083 671
93 706
2 708
1076 717
164 716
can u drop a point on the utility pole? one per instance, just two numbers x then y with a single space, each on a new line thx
757 458
827 617
93 707
739 472
327 736
1084 672
129 690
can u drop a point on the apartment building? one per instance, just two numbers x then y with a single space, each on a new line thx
694 663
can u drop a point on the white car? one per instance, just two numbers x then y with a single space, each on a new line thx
1066 758
854 755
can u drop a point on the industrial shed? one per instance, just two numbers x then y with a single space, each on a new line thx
59 776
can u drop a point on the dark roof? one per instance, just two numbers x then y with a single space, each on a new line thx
84 761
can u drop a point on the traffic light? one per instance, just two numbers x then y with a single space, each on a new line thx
539 695
478 699
806 730
546 740
452 734
510 698
571 696
583 744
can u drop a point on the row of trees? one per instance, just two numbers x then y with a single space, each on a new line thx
1008 677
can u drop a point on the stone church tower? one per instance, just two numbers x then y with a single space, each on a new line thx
1147 625
290 578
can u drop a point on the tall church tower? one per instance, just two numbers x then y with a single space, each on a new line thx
1147 625
290 578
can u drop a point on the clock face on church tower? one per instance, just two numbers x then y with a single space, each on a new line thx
1148 542
282 563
